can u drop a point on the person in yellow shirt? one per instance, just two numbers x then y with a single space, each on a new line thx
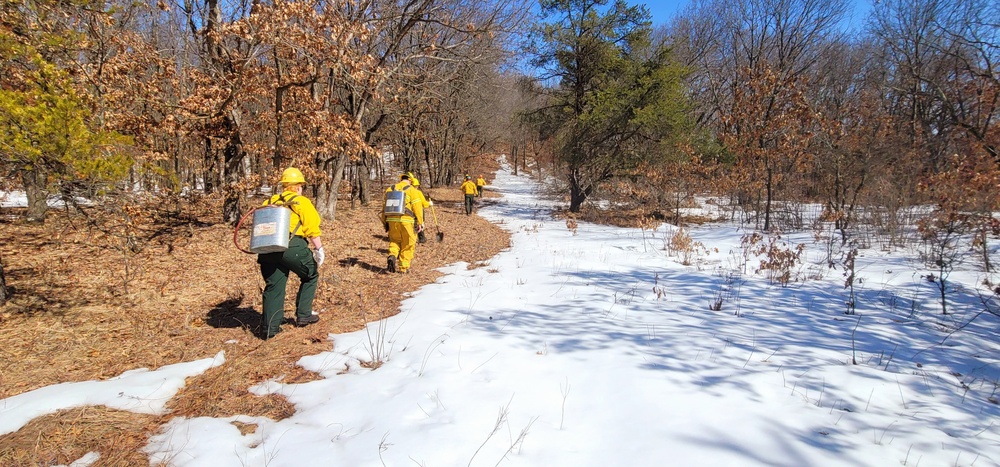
480 185
304 230
404 219
470 190
421 236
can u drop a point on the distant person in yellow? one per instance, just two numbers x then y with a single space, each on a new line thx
303 231
480 185
470 190
404 223
424 203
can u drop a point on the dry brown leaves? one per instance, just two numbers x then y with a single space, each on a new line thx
639 217
83 309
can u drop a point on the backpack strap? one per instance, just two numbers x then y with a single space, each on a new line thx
408 201
281 201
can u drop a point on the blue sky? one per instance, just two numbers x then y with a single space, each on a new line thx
663 10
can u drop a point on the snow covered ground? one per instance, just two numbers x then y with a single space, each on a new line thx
595 346
18 199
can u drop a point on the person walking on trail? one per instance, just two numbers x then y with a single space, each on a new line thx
424 203
480 185
304 230
404 216
470 190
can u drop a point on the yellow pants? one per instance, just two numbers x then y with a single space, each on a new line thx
402 242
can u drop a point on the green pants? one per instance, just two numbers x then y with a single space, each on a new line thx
469 201
275 267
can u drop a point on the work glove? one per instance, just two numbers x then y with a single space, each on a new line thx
319 255
420 228
430 202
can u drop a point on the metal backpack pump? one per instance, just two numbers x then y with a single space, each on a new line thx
395 203
270 228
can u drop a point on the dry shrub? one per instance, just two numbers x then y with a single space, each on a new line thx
778 259
572 225
685 247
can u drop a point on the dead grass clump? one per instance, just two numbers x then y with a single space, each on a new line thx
223 391
63 437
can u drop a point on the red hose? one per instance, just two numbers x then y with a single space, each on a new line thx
237 230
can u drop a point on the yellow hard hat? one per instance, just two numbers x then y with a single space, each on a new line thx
414 180
292 176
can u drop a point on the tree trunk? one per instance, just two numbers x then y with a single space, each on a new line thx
983 247
513 154
4 293
364 174
767 202
576 199
208 178
577 194
234 155
326 193
37 194
279 97
432 176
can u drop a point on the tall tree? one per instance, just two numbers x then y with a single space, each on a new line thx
852 139
750 60
612 94
942 60
48 136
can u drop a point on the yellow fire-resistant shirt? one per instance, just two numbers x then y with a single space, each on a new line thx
419 195
469 188
304 217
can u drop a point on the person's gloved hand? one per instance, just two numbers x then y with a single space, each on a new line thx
319 255
430 202
420 228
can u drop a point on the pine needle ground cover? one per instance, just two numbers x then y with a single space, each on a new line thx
86 306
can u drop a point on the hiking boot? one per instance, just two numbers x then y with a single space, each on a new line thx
307 321
391 264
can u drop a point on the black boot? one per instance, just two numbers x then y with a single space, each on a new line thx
391 264
307 321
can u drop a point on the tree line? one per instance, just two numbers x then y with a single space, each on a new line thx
170 97
771 103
